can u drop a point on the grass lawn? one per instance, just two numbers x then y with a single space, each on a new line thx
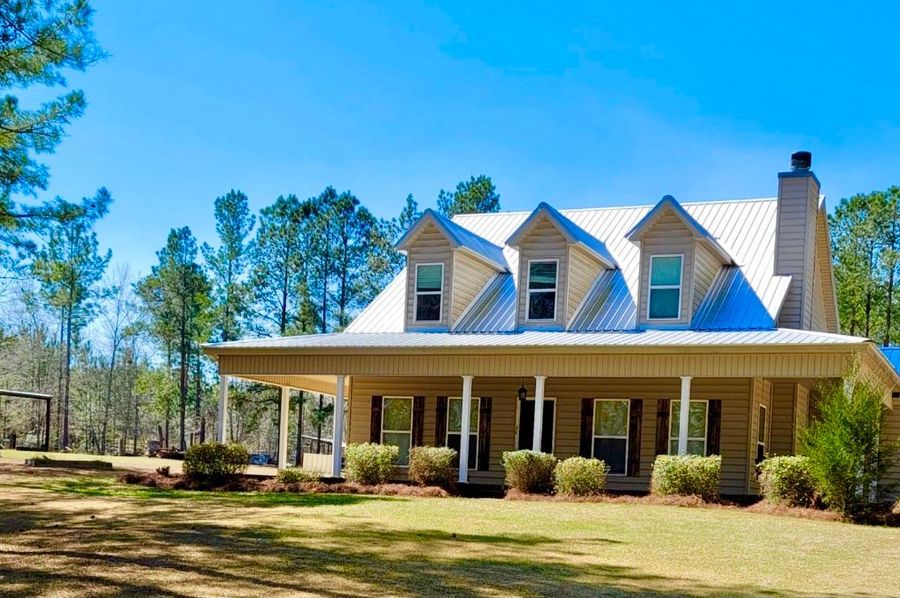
73 534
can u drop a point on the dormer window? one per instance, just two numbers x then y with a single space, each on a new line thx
429 292
542 284
665 287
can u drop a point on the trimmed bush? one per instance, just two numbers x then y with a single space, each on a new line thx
432 466
529 471
215 462
787 481
578 476
295 475
687 475
370 463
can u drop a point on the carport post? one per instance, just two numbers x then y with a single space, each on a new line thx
338 434
283 426
221 420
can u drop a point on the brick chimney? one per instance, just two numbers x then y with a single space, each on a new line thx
795 238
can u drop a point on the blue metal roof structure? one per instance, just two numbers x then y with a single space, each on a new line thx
893 356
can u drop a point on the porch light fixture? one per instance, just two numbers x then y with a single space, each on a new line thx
523 392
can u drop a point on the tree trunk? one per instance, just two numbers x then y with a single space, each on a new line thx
67 378
889 308
59 381
108 400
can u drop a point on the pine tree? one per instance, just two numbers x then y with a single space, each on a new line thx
477 195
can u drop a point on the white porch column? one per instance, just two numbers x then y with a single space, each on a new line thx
338 434
684 415
538 412
283 426
222 419
464 429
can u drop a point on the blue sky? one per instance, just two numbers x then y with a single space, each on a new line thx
579 105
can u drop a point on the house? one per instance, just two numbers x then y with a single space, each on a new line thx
617 333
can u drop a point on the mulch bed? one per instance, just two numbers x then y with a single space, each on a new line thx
246 483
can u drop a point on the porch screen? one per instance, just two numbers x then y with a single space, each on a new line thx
396 425
454 429
611 434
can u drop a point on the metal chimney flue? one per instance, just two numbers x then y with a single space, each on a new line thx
801 160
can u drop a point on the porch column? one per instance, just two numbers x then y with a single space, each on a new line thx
338 434
538 412
222 419
283 426
684 415
464 429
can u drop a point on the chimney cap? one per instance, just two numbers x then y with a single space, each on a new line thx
801 160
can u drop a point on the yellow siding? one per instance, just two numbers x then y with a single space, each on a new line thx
469 277
892 434
480 362
761 395
823 261
706 266
543 241
430 246
583 272
782 437
795 247
568 392
801 412
667 236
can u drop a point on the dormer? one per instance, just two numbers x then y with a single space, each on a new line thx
679 260
446 267
558 263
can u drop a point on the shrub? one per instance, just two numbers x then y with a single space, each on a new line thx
844 447
687 475
370 463
295 475
432 466
787 481
578 476
529 471
215 462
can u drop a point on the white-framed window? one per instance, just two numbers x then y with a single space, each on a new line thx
429 292
664 294
698 416
610 441
454 427
543 277
396 425
761 430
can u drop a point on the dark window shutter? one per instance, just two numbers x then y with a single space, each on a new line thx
662 426
440 422
484 434
418 422
714 427
375 422
635 419
587 427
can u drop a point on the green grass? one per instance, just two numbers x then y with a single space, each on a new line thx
85 534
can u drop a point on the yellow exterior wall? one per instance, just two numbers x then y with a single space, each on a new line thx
469 277
429 247
584 269
892 434
706 266
543 242
568 392
667 236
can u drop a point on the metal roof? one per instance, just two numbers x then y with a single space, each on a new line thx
541 339
670 202
458 237
572 232
893 356
494 310
745 229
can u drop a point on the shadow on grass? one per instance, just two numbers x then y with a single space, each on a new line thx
190 544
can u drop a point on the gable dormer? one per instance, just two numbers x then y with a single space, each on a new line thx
558 263
447 266
679 260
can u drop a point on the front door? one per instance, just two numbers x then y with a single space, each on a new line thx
526 425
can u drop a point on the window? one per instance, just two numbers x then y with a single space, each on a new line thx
429 292
664 302
396 425
542 290
696 441
611 434
761 434
454 428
